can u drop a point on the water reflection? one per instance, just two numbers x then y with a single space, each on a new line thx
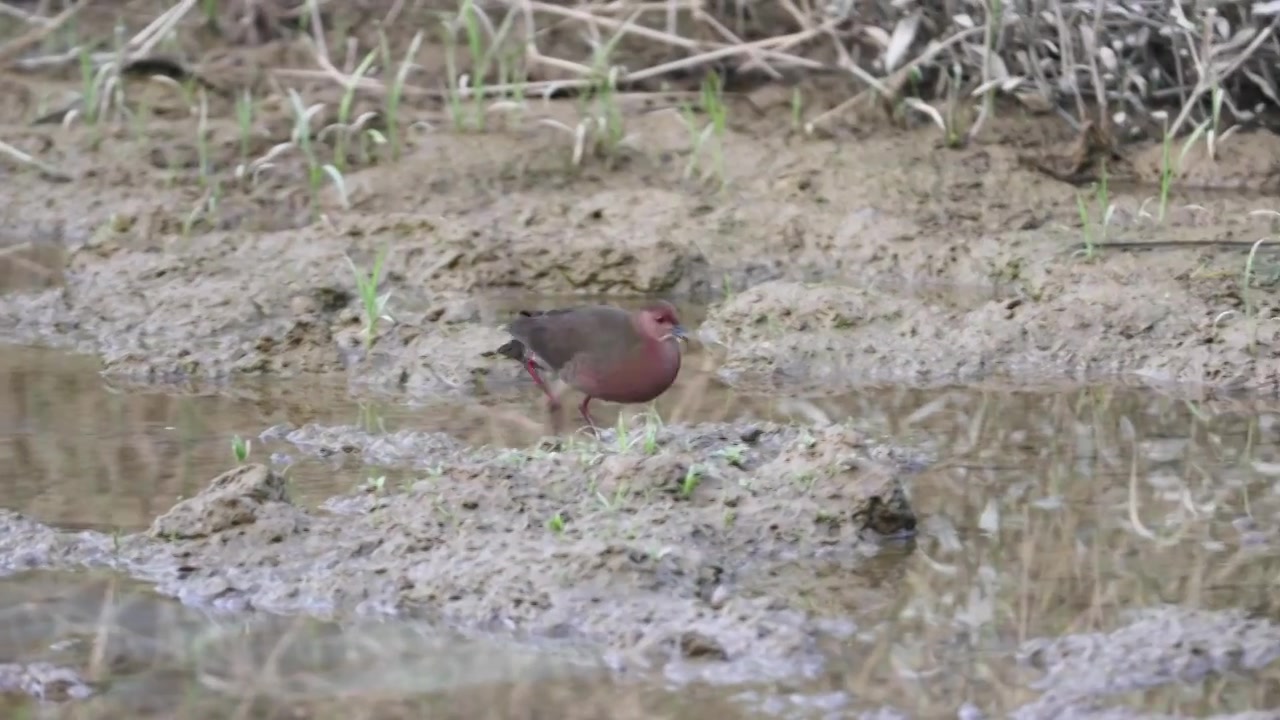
1049 513
145 656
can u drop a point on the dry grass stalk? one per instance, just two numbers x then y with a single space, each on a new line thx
48 171
14 49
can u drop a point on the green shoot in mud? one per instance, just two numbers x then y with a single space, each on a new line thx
797 110
316 170
1166 172
344 127
608 130
692 478
394 138
620 494
652 424
202 141
244 123
206 208
209 8
1170 166
556 524
991 40
601 131
88 88
1214 134
624 440
953 136
465 92
370 418
713 105
374 305
733 454
240 449
621 437
1094 237
376 485
1246 294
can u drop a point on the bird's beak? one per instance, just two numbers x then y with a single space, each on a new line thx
679 333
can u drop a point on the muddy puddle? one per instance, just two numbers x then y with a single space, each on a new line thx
1065 551
963 431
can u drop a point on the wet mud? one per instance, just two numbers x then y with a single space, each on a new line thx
727 551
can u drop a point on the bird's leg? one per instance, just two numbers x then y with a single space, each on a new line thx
556 416
532 367
586 415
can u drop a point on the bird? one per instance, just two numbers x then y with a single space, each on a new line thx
603 351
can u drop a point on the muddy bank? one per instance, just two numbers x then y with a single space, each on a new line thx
1152 647
197 239
752 573
1074 328
984 245
683 546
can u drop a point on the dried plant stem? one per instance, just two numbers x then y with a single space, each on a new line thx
47 170
19 45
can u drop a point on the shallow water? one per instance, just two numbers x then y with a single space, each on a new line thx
1048 514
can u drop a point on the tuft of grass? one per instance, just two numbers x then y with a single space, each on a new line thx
374 305
712 100
345 127
600 132
733 454
1246 294
950 122
316 171
88 88
652 424
606 126
465 91
394 139
1102 200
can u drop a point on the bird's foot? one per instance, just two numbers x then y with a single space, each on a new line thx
586 415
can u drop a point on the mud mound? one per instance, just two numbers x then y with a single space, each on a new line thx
689 547
208 308
1158 645
1157 332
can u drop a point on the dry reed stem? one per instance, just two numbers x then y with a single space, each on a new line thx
17 46
13 12
48 171
890 87
757 49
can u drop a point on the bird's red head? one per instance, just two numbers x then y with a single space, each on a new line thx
659 321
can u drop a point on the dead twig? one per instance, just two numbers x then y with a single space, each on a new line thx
14 49
48 171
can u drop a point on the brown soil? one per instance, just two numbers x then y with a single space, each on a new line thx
827 263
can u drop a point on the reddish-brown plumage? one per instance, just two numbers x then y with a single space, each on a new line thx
602 351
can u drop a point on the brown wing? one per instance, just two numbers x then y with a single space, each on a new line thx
556 336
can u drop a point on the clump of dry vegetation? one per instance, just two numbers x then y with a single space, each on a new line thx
353 85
